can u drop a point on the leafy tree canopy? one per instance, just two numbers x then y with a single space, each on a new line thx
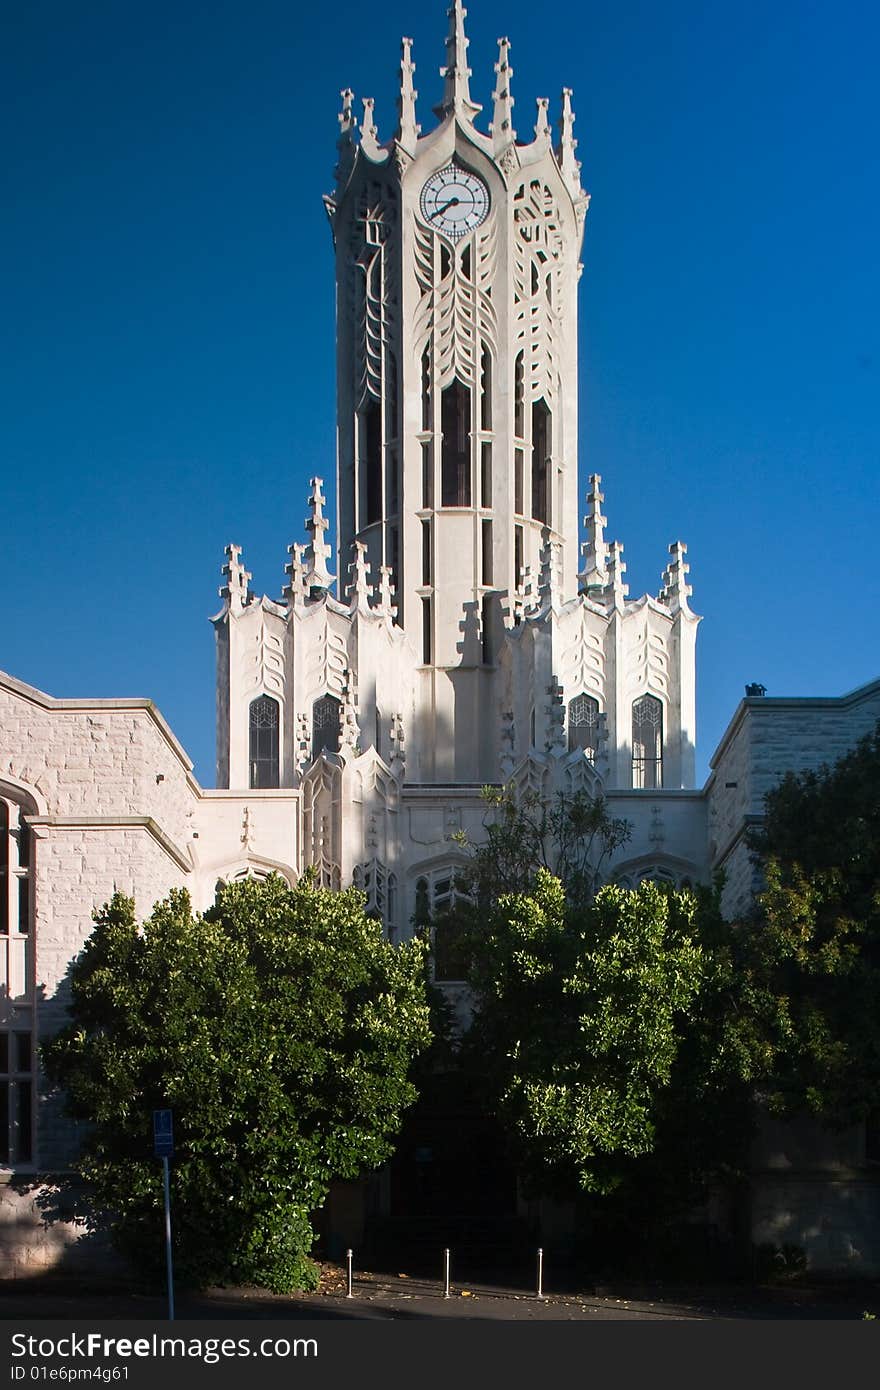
578 1014
811 954
280 1028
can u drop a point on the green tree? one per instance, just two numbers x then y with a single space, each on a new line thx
572 836
578 1022
810 955
280 1027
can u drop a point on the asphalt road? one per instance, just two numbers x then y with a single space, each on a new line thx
388 1297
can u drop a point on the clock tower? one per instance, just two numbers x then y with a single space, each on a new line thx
457 261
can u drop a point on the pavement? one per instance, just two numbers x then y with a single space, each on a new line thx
383 1297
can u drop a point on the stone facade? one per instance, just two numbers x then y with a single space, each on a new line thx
464 644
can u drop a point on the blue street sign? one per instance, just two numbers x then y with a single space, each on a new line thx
163 1134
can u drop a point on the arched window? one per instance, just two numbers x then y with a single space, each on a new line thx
17 1030
583 725
455 454
326 725
264 744
380 888
438 894
647 742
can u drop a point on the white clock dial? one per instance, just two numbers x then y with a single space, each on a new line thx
455 201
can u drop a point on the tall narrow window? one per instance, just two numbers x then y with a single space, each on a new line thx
264 745
372 427
392 473
540 461
426 631
647 742
486 624
391 378
16 987
486 545
486 474
486 389
446 899
517 556
394 566
427 474
455 457
326 724
426 552
519 398
426 390
583 725
518 481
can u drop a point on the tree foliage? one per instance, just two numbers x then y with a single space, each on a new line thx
810 956
280 1028
578 1013
570 836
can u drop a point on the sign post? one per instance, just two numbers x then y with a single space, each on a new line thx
163 1147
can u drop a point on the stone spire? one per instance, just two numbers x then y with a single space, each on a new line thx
407 129
456 88
294 590
594 549
386 602
503 133
676 591
542 125
236 590
360 590
347 127
616 570
549 587
571 169
369 131
317 575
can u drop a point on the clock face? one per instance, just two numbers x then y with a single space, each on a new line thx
455 201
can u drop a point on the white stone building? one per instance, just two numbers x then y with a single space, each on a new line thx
466 641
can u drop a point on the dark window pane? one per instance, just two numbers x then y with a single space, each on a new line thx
583 724
486 390
519 411
264 744
427 475
325 725
455 454
24 905
647 742
4 1121
4 1053
24 1108
426 631
486 624
426 552
540 461
486 474
23 1051
372 463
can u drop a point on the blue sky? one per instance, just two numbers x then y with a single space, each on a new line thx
167 316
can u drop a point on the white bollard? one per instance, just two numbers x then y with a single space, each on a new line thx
348 1255
446 1273
540 1293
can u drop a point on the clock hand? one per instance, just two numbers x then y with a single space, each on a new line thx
453 202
